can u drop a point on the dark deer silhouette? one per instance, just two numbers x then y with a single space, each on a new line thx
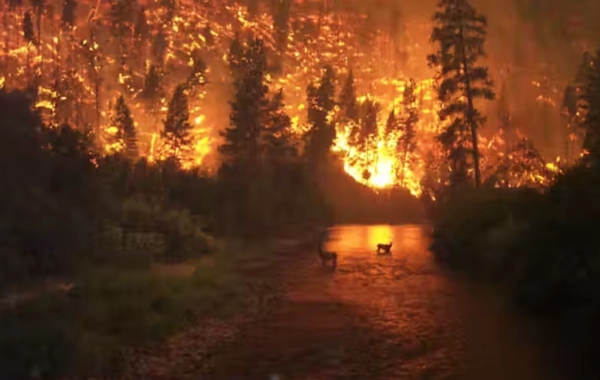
327 256
384 248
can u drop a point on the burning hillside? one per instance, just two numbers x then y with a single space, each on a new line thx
82 56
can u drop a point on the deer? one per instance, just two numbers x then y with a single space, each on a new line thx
327 256
386 248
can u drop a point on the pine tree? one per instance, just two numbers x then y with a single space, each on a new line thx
460 33
369 111
278 136
347 100
406 142
366 132
177 128
152 90
28 33
235 56
280 10
249 110
125 134
391 125
159 48
321 133
590 109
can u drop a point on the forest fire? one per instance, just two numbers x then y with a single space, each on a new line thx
82 64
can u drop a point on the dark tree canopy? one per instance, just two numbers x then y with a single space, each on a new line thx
321 135
347 101
177 131
28 33
460 34
125 126
249 108
278 138
408 126
152 90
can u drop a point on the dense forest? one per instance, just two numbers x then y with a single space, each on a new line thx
141 132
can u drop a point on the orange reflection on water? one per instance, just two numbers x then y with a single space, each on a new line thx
380 234
356 240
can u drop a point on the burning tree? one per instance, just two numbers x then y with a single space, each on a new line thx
122 22
321 133
197 77
177 127
347 100
124 135
366 131
406 142
460 33
153 91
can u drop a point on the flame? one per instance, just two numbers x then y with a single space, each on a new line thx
334 40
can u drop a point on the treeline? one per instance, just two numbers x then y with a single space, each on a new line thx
538 244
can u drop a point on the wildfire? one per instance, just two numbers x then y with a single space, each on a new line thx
314 40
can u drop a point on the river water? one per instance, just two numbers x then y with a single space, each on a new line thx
395 316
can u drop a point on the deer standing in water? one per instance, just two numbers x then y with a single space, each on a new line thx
327 256
386 248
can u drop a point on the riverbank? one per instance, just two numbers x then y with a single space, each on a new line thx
537 246
109 316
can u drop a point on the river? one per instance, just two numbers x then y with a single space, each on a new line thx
395 316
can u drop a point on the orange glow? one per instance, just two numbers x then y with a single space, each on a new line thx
337 43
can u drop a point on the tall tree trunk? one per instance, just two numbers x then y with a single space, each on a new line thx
474 139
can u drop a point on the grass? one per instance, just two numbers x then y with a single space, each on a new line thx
87 331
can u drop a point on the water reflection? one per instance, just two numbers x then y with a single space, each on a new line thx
402 297
435 327
357 240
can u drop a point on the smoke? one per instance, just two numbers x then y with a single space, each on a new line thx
534 48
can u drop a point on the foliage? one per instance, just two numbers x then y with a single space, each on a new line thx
152 90
406 142
278 136
249 109
460 33
125 129
177 128
347 100
321 134
28 28
263 186
87 331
